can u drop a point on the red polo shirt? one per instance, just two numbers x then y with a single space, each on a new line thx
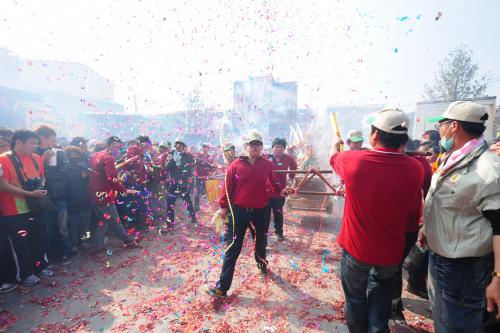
382 187
286 162
247 182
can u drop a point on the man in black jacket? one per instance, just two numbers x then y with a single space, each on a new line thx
180 165
78 197
56 165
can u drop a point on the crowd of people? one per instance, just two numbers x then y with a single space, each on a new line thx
56 200
431 206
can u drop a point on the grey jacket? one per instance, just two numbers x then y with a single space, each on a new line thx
453 223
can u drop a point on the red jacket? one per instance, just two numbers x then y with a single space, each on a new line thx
137 169
285 163
103 181
204 165
246 183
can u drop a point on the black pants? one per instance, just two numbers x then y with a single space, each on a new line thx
397 282
179 192
244 218
199 190
27 237
276 206
4 252
418 267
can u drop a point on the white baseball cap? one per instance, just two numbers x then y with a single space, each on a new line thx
355 136
253 136
392 120
464 111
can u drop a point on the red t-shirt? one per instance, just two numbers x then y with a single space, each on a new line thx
11 204
382 187
247 182
286 162
103 181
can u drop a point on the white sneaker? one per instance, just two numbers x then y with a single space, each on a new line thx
31 280
7 287
46 273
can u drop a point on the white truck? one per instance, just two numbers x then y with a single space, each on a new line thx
431 109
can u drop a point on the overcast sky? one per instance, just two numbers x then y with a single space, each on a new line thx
340 52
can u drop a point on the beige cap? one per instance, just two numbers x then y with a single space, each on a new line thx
466 111
253 136
392 120
227 146
355 136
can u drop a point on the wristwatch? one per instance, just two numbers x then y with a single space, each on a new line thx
497 274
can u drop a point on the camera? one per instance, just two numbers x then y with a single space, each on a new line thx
33 184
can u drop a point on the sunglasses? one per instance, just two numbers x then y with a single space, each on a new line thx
438 126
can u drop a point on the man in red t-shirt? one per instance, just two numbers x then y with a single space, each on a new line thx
382 186
26 234
204 168
281 161
103 188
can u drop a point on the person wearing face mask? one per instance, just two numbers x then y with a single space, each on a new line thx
462 223
79 208
244 196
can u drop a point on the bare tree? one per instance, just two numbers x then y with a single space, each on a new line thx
457 77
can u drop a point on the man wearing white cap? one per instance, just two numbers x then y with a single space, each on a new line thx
355 140
245 199
382 188
462 223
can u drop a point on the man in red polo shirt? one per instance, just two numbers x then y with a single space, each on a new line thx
382 186
281 161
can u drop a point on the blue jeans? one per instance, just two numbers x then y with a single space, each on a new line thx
367 290
457 292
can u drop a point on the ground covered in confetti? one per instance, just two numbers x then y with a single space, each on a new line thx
160 288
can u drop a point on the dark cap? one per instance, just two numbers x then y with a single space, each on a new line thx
112 139
143 139
78 141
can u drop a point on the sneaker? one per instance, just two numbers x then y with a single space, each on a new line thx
216 292
132 245
31 280
46 272
65 261
165 230
194 220
397 318
262 269
7 287
280 237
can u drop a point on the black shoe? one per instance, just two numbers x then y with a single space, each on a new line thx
165 230
216 292
420 292
280 237
262 269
